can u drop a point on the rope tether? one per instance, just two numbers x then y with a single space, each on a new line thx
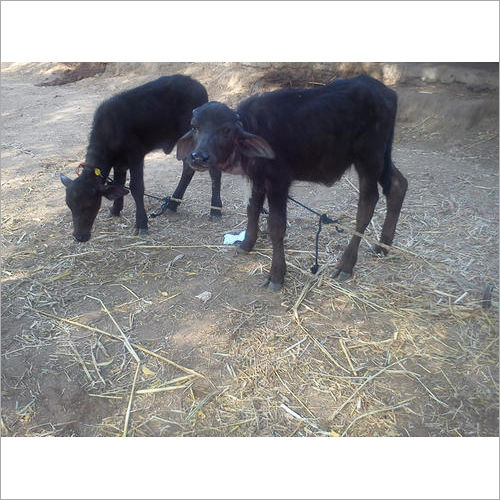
323 219
165 199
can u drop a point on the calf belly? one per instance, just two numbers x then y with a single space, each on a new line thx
327 171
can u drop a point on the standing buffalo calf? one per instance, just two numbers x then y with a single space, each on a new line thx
308 135
126 127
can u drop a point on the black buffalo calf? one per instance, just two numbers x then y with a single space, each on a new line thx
308 135
126 127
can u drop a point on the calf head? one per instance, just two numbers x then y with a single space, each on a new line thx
83 197
217 139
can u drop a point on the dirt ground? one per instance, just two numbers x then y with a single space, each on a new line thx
407 347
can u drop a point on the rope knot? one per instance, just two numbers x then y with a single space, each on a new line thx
328 220
79 168
163 207
314 268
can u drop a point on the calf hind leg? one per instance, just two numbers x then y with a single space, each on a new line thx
395 198
368 197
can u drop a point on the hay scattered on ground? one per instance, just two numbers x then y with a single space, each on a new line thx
408 347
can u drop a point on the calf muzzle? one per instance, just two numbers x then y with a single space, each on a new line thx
199 157
81 237
198 160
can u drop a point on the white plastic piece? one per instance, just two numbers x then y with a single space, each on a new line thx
231 239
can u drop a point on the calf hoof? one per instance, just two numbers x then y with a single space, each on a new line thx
274 287
271 285
264 283
379 250
215 215
113 213
170 211
139 231
340 275
241 250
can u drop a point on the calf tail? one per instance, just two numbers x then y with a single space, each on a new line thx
386 176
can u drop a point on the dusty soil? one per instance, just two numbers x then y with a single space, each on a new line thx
403 349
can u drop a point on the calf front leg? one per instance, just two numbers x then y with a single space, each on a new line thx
137 190
395 198
368 197
254 209
119 176
277 227
187 175
216 202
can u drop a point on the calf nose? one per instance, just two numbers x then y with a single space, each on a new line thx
199 156
81 237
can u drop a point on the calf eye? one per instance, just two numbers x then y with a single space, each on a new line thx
226 131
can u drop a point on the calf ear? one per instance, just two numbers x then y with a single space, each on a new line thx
113 192
185 145
254 146
65 180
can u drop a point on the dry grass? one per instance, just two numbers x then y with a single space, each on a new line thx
404 349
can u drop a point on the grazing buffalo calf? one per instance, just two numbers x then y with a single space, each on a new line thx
308 135
126 127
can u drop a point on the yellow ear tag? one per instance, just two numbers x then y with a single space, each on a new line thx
97 172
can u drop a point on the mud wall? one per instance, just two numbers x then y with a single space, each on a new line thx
475 76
